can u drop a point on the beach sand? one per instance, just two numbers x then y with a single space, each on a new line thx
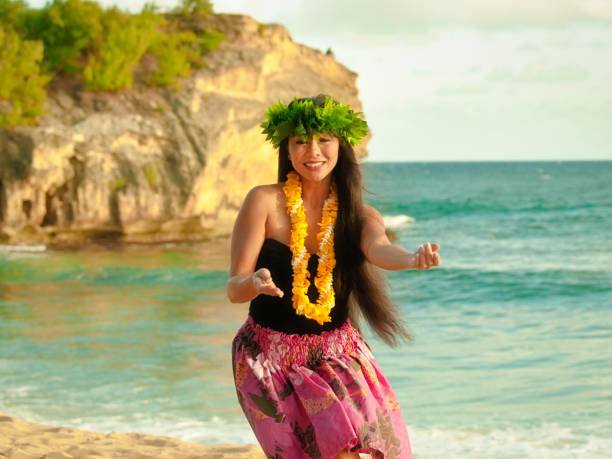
26 440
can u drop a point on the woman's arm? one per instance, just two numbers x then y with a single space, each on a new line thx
379 251
249 232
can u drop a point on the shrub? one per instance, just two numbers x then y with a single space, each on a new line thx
22 83
68 29
150 173
210 41
127 37
105 46
11 12
175 55
187 7
178 51
118 184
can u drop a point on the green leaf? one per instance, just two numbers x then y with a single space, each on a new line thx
307 119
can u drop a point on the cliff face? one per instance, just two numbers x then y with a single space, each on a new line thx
153 165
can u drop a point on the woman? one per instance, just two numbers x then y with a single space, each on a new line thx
302 251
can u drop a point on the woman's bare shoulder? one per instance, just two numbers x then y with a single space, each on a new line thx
370 213
269 189
263 194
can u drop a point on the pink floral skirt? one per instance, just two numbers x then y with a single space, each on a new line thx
312 396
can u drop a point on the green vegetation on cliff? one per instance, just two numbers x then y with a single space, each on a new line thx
104 47
22 83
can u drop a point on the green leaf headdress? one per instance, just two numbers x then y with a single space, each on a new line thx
313 115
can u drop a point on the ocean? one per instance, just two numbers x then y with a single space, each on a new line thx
512 346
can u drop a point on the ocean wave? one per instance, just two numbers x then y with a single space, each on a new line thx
490 206
17 272
23 248
155 276
206 432
544 441
397 221
448 287
549 440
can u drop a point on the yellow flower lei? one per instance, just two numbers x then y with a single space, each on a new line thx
300 256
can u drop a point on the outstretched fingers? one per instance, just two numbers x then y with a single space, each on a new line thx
262 280
427 256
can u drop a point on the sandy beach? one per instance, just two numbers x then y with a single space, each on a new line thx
24 440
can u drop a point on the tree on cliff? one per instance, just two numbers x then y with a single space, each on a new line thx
103 47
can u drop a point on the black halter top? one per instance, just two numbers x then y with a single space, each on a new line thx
278 313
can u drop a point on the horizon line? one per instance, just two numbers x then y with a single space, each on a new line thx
368 160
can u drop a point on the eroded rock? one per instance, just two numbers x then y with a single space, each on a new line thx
155 164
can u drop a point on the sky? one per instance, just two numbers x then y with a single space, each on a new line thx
463 80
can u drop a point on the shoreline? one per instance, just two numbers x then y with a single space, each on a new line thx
24 440
214 254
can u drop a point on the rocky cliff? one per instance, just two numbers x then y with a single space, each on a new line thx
154 165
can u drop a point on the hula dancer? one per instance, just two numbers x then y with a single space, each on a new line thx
302 254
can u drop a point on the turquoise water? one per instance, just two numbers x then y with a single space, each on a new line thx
513 334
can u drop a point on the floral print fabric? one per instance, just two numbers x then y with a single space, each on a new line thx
312 396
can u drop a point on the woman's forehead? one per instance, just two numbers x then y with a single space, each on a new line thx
316 135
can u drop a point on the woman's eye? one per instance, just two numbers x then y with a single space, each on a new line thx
323 139
300 142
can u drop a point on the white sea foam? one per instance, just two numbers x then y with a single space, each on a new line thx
546 441
16 252
36 248
211 431
541 442
397 221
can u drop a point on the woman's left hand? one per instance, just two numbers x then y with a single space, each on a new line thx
426 256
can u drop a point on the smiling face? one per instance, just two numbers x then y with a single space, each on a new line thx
314 158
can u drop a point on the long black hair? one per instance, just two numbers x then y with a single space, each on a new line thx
362 284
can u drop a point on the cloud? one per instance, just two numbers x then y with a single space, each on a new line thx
538 72
470 89
393 16
535 12
528 47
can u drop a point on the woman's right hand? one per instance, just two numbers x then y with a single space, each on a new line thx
263 283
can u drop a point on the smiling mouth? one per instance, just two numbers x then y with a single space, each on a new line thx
314 164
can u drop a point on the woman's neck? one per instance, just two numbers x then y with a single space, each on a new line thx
314 194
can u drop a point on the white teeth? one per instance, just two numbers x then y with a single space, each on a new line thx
314 164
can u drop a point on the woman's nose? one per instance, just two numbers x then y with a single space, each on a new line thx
313 146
